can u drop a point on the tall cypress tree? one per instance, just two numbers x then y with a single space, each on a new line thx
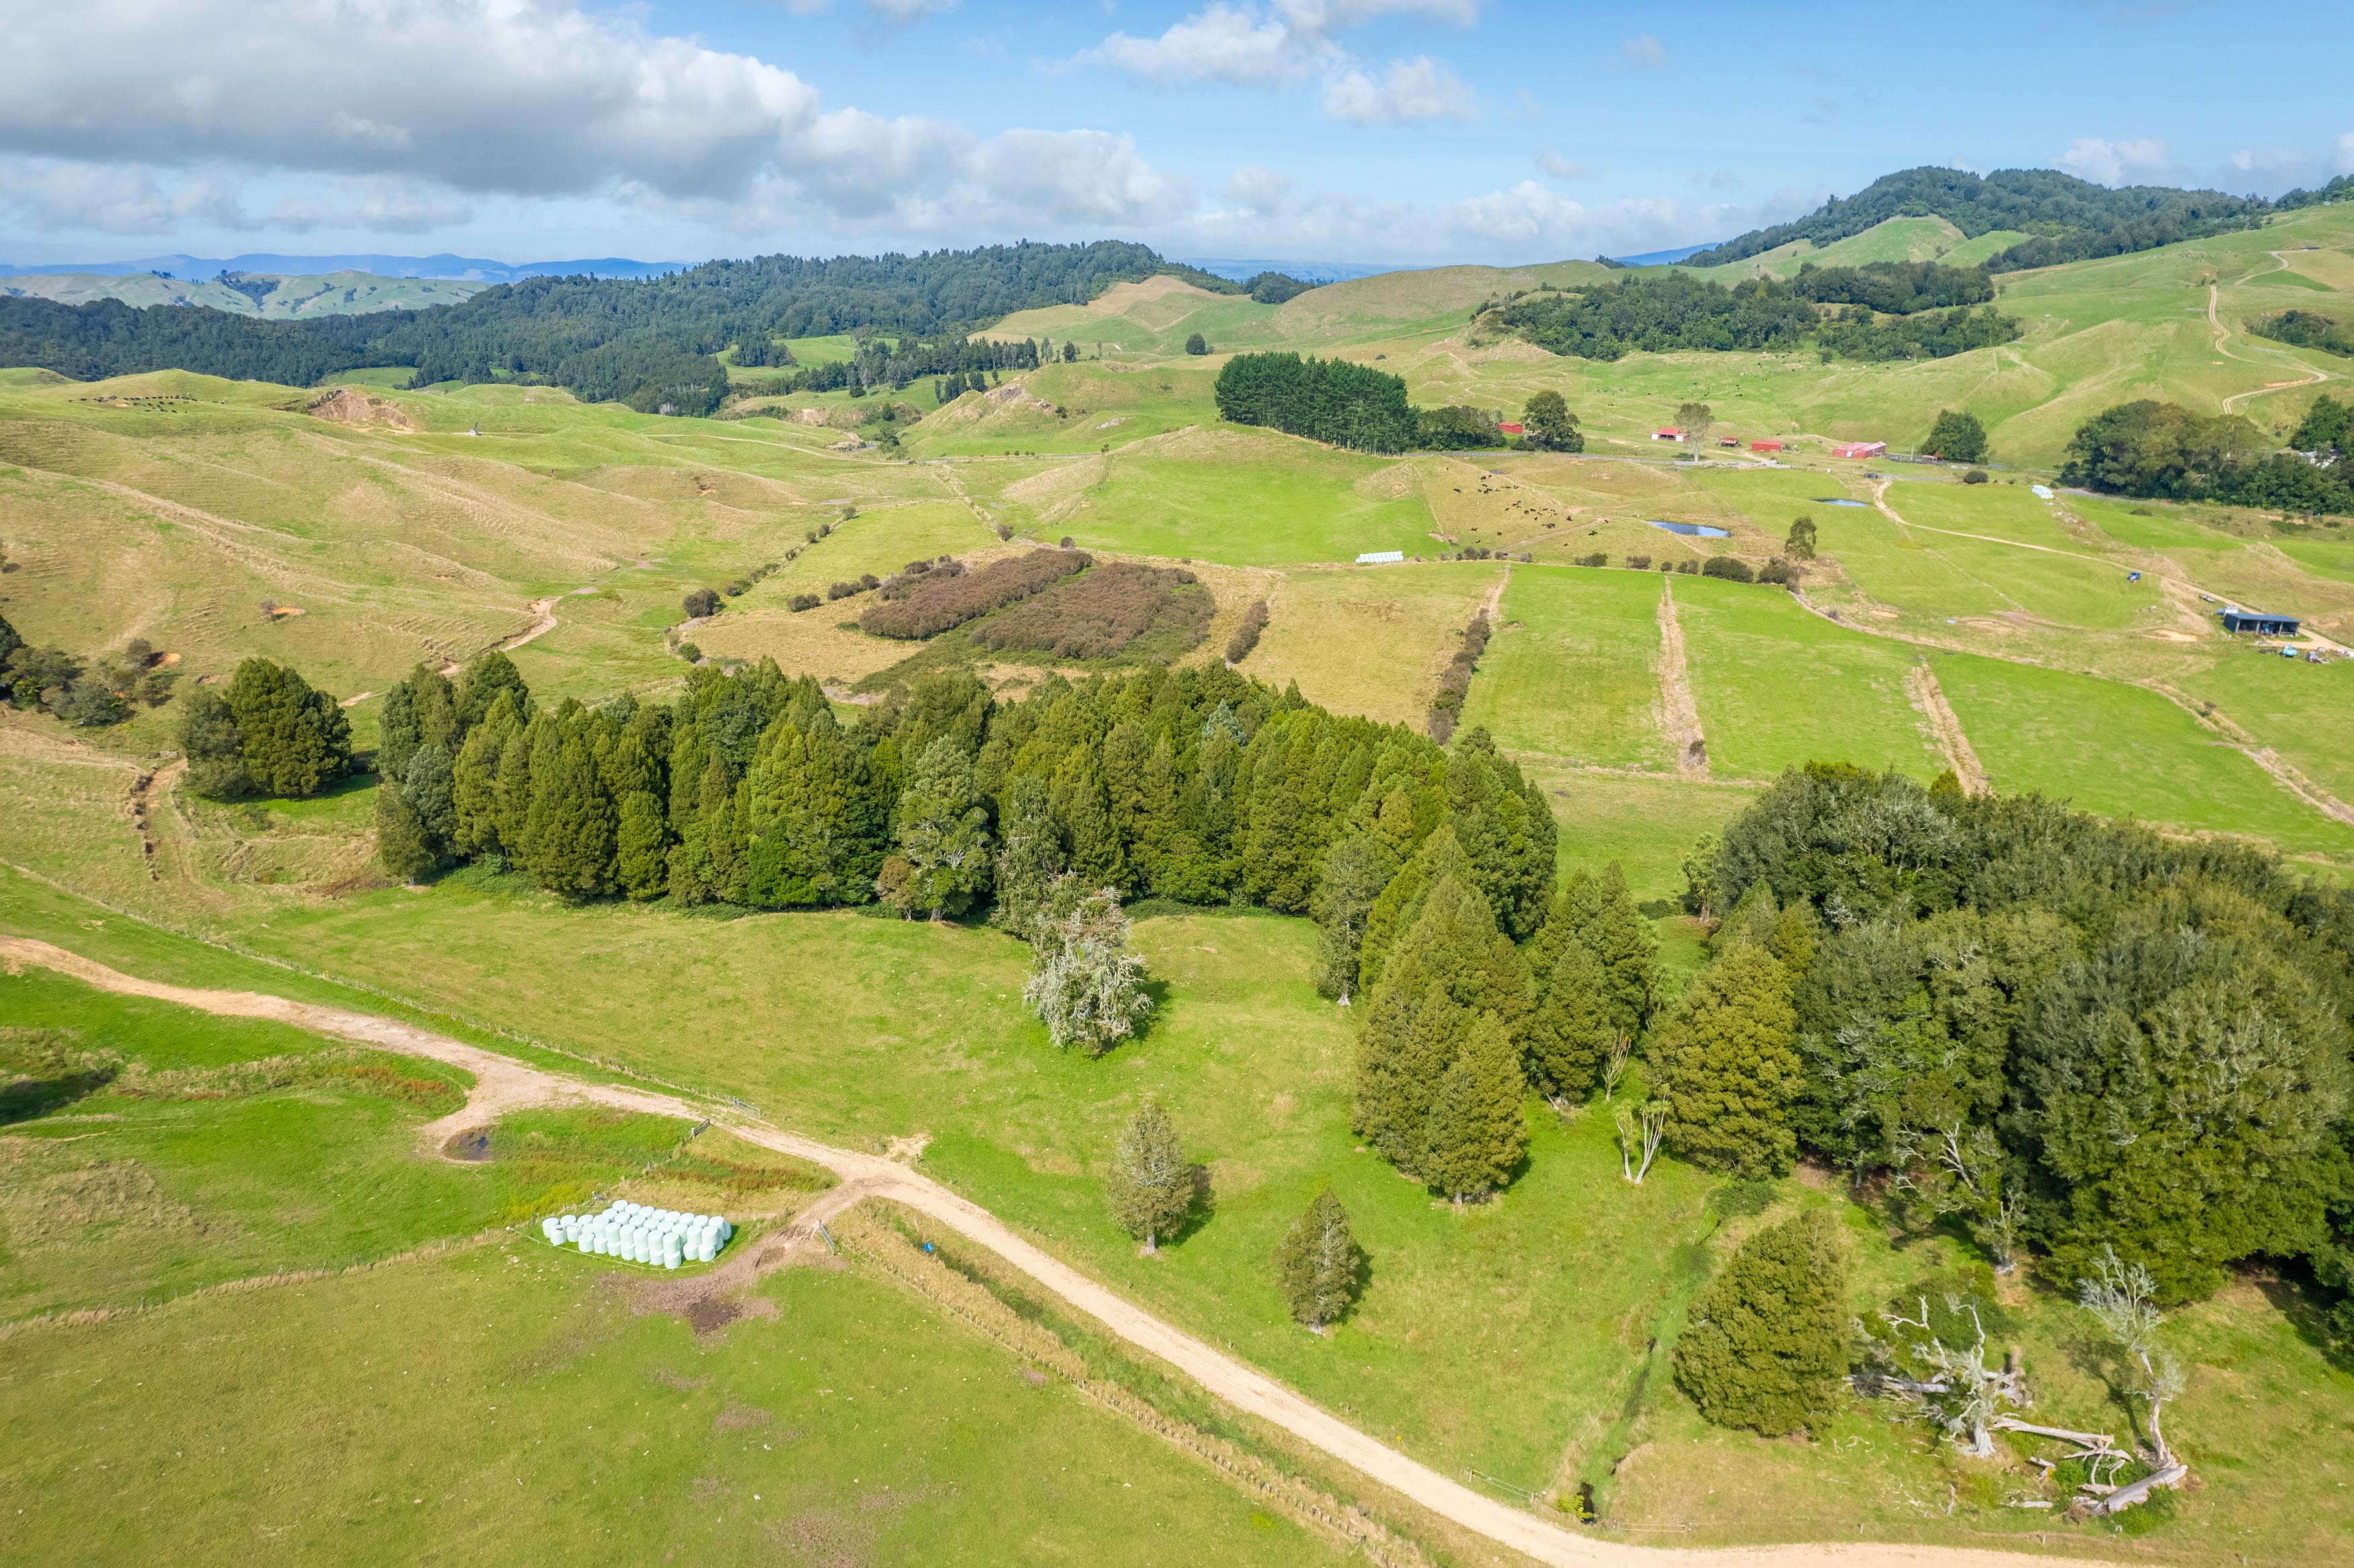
1570 1027
571 829
474 782
1356 871
1474 1135
1395 910
429 788
1729 1068
480 688
1032 855
1085 814
400 843
943 832
640 845
1623 944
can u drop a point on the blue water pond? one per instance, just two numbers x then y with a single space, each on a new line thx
1697 530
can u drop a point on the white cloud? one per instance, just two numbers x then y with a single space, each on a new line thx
1646 51
1220 44
1410 91
1527 222
2342 156
1289 41
1559 168
905 11
401 110
379 205
2145 160
50 194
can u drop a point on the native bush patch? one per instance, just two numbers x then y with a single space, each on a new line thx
1113 609
934 601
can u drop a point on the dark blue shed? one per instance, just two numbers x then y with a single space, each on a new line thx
2236 619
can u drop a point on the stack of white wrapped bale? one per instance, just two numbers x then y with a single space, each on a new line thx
664 1238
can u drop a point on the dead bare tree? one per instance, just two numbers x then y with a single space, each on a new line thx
1954 1173
1640 1127
1962 1393
2123 1298
1613 1064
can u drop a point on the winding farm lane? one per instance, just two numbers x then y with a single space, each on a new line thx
503 1082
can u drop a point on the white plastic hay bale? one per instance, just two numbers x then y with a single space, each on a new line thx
672 1254
704 1249
552 1230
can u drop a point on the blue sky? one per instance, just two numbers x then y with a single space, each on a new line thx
1412 131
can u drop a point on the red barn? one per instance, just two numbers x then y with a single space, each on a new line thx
1765 446
1860 449
1667 433
1512 430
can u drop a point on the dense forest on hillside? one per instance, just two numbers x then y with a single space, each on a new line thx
649 341
1657 312
2068 219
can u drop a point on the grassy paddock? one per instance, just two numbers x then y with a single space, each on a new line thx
2115 749
520 1400
1777 687
1574 670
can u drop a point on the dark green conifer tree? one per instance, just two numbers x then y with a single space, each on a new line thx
481 686
1570 1029
1031 857
400 843
1356 871
1317 1265
571 829
429 786
1728 1067
297 741
475 783
1474 1135
943 833
1766 1347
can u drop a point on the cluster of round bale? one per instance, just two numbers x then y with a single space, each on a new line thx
662 1237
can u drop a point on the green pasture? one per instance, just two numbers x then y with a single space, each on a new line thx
1573 672
1245 498
520 1404
1778 687
223 1148
2300 710
1524 1340
2123 751
1371 640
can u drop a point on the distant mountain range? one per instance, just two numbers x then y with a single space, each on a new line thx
1662 258
1243 271
467 268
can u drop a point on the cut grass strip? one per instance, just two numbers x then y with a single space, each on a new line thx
1778 687
1572 672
